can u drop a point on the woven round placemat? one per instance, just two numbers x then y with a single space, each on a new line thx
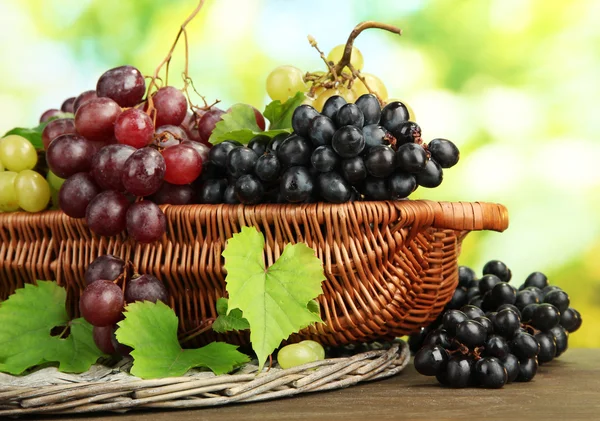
47 391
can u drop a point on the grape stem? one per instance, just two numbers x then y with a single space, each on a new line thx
198 330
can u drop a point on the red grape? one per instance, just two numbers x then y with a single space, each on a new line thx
76 194
103 338
107 267
101 303
183 164
146 288
173 194
170 105
134 127
56 128
146 222
83 98
208 121
48 114
107 213
108 164
125 85
96 118
201 148
67 105
143 172
69 154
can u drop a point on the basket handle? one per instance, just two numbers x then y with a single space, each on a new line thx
469 216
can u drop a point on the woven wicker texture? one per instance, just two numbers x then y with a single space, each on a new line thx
51 393
390 266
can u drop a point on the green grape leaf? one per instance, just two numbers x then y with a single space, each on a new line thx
228 322
313 305
151 330
280 115
26 320
35 135
274 300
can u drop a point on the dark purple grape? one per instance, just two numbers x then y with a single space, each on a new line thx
490 373
301 119
473 292
511 365
375 189
570 319
211 191
527 369
276 141
293 151
229 195
324 159
267 167
487 283
333 188
107 267
431 176
498 268
393 115
354 169
487 323
101 303
471 333
67 105
472 312
459 299
380 161
249 190
525 298
76 194
545 317
57 128
431 360
95 120
143 172
451 319
558 299
259 144
411 158
241 161
70 154
503 293
370 107
561 338
83 98
321 131
296 184
496 346
108 164
106 213
332 105
439 337
547 347
465 276
349 115
173 194
171 107
408 132
510 307
348 141
146 222
527 312
444 152
125 85
459 371
524 346
536 279
103 338
218 154
375 135
146 288
506 323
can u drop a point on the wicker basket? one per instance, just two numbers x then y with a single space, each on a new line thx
390 266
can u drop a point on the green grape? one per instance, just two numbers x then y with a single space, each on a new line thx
356 59
296 354
8 192
33 191
316 347
17 153
284 81
374 83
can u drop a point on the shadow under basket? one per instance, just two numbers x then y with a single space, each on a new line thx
391 267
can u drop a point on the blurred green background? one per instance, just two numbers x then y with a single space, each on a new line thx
514 83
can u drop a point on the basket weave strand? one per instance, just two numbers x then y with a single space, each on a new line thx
390 266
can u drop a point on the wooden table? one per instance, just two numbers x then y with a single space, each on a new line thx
566 389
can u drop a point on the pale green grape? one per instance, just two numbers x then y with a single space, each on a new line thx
316 347
55 183
374 83
356 59
284 82
33 191
17 153
8 194
296 354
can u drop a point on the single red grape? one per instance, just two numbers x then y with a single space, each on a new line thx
170 105
56 128
125 85
69 154
101 303
96 118
83 98
134 127
183 164
76 193
146 223
107 213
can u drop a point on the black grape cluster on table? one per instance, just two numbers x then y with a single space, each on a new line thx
111 284
349 151
492 333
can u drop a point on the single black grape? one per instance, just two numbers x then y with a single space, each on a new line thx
545 317
527 369
570 320
411 157
445 153
496 346
525 298
537 292
401 185
465 275
511 364
408 132
487 323
490 373
431 360
472 312
438 337
527 312
324 159
496 267
146 288
503 293
393 115
375 189
510 307
211 191
546 290
370 107
561 338
276 141
487 303
350 115
536 279
458 300
473 292
506 323
431 176
249 190
229 195
241 161
547 347
524 346
293 151
334 188
451 319
296 184
487 283
332 105
259 144
321 130
301 119
348 141
460 371
267 167
354 169
375 135
380 161
476 301
218 153
471 333
558 299
416 340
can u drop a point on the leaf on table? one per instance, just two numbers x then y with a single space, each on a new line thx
151 330
274 300
227 322
280 115
26 320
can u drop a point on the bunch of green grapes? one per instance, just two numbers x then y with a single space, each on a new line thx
20 186
285 81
